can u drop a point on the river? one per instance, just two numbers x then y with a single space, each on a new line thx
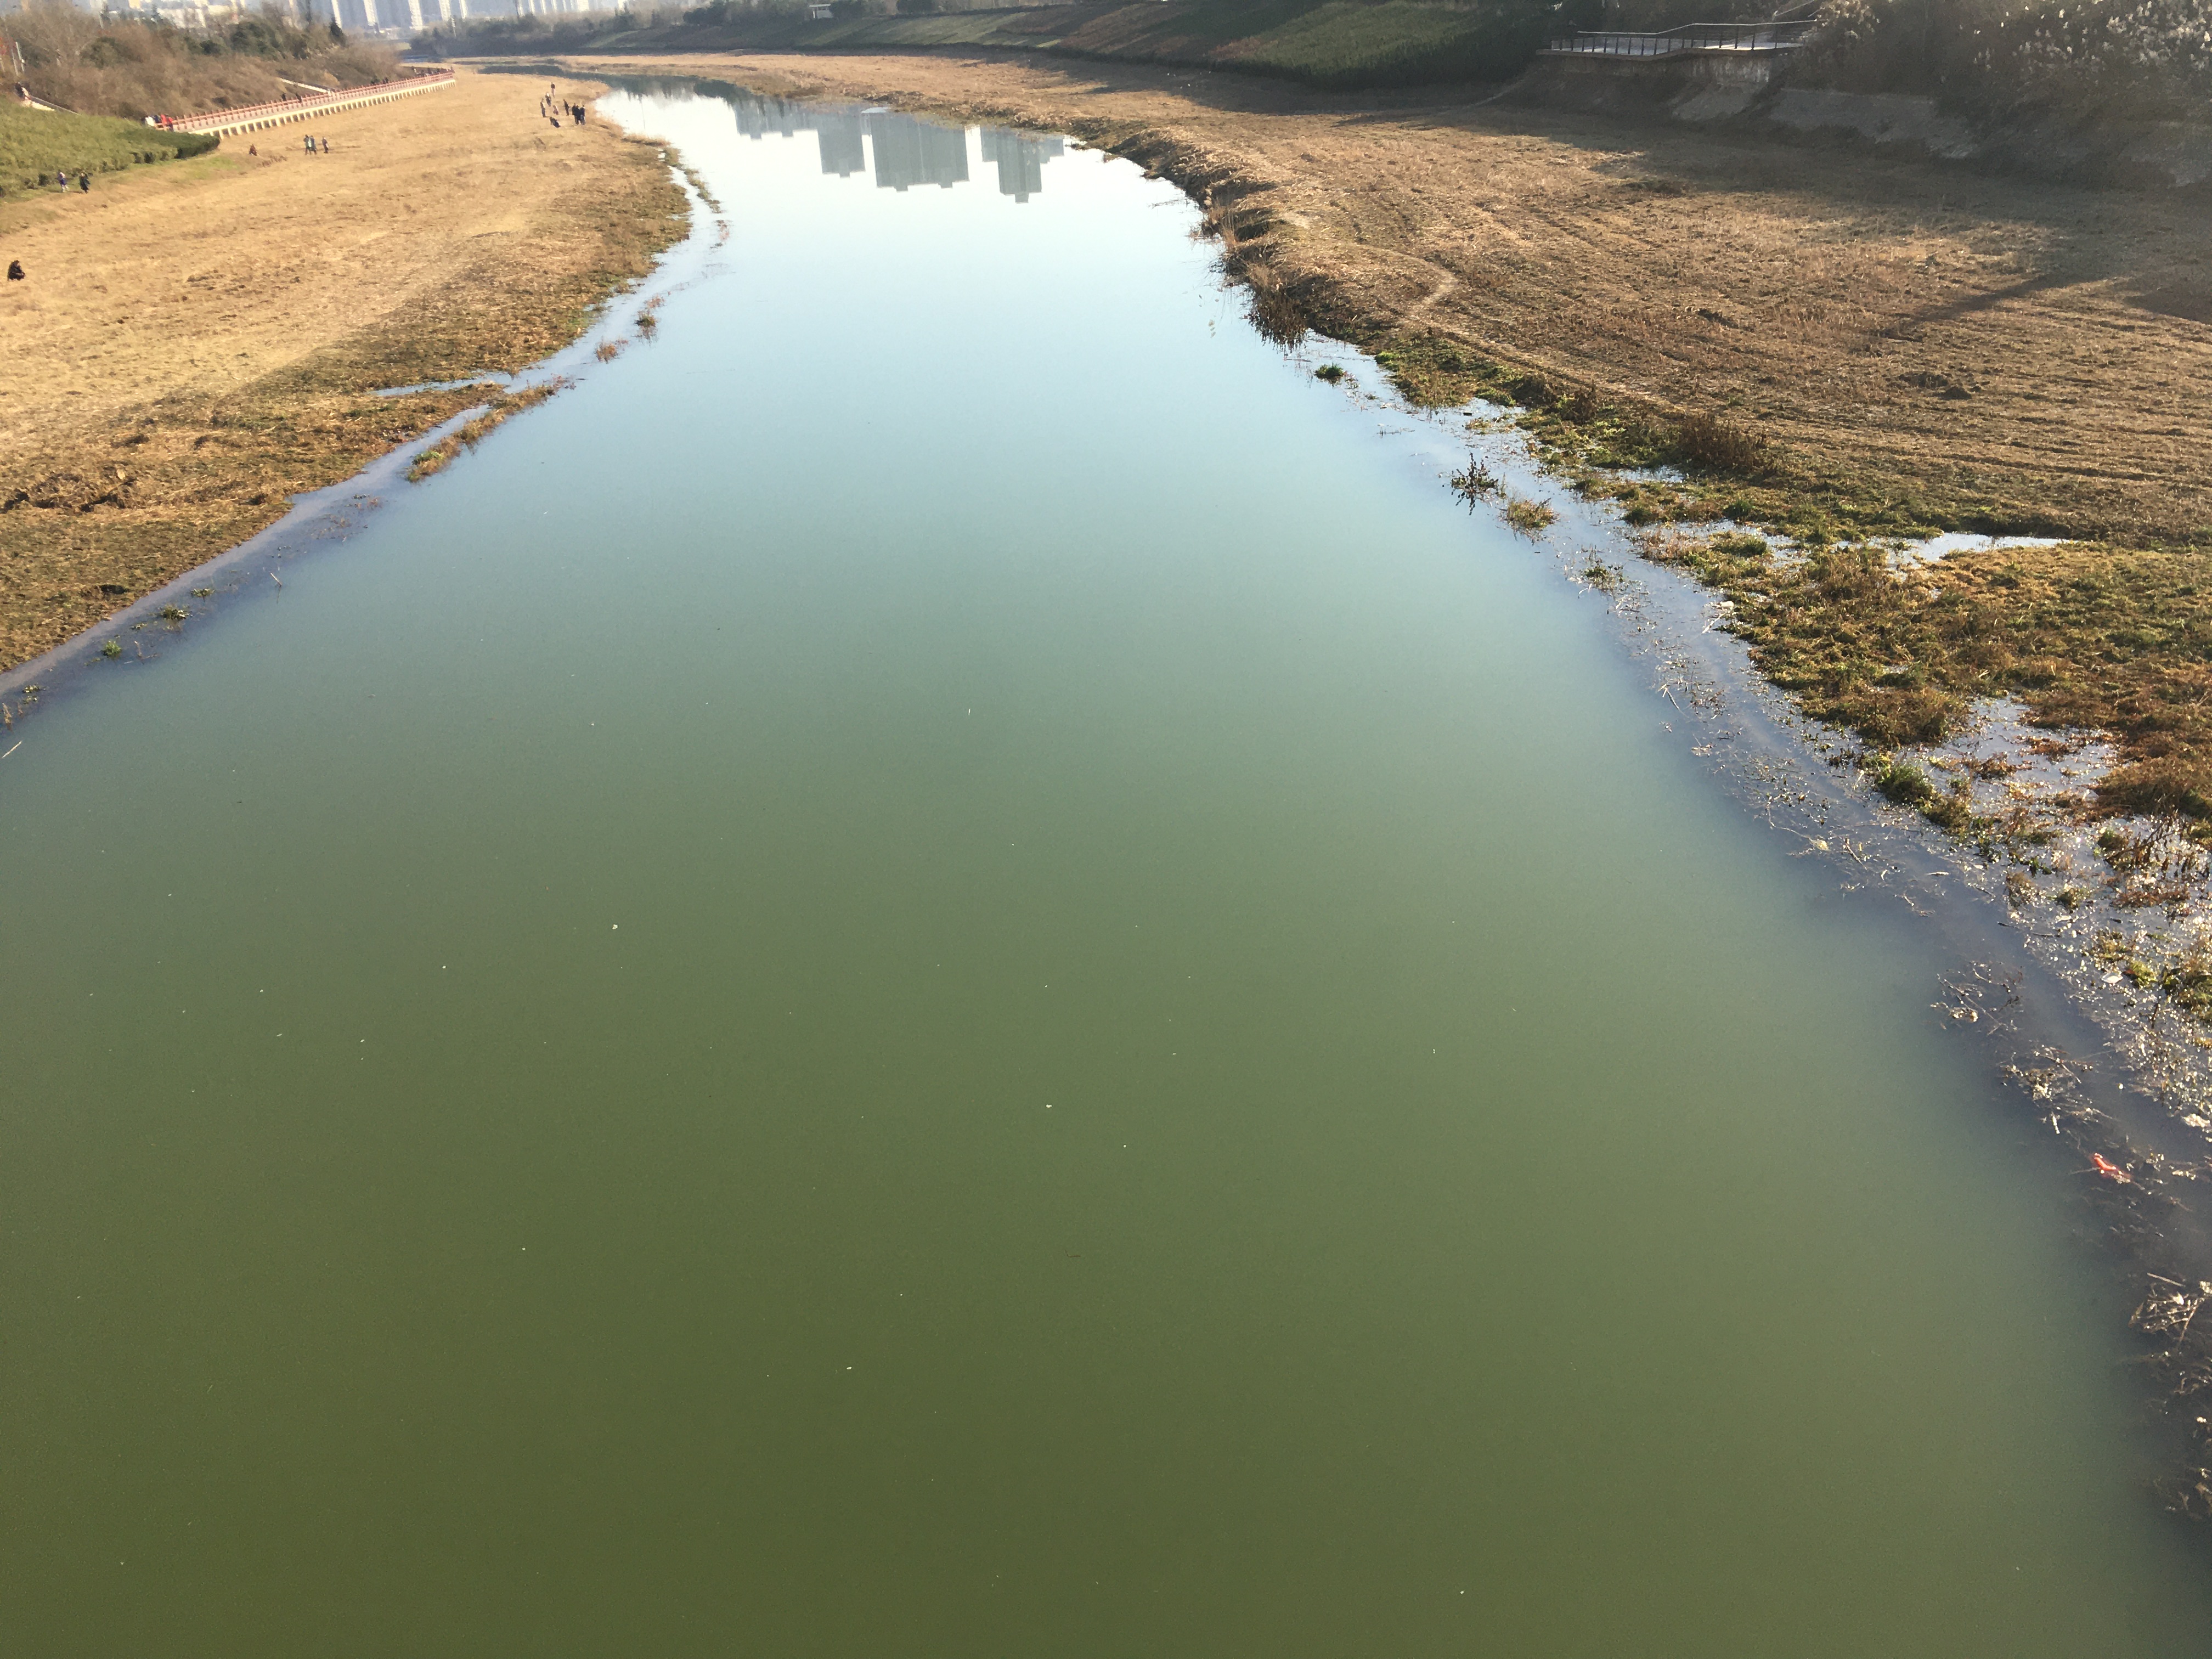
947 965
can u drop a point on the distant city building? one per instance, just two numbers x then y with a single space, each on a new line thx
406 16
185 13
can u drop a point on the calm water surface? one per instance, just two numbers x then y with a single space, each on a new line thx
947 967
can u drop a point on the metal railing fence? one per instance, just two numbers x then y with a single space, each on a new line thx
1689 38
294 109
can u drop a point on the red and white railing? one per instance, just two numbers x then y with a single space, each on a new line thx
254 116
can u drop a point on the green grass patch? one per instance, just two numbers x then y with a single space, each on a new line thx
1530 518
36 143
1908 786
1338 43
1326 43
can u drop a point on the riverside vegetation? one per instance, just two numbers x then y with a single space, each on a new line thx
2108 636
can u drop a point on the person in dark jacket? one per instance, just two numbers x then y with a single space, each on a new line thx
14 271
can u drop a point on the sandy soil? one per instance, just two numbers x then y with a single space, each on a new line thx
194 340
1957 343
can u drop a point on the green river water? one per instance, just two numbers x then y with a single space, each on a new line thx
948 967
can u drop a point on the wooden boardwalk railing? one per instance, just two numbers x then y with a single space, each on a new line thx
255 116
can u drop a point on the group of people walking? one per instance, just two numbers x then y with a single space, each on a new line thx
552 108
83 181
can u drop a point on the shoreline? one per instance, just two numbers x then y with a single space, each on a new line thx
1763 751
329 513
201 342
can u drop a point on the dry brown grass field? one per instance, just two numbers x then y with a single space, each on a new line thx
196 341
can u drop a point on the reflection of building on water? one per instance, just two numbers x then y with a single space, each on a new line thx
839 133
1020 159
911 152
759 116
907 152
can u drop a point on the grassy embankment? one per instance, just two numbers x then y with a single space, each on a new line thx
198 342
2111 632
1338 43
2076 60
34 144
105 65
1328 43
